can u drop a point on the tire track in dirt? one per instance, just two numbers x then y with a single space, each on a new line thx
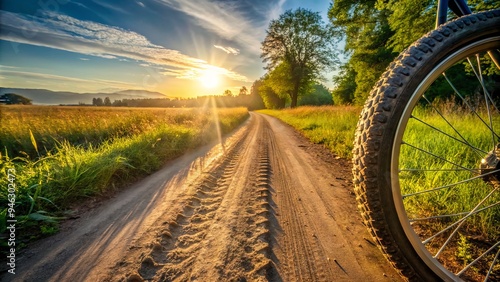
301 263
222 230
316 232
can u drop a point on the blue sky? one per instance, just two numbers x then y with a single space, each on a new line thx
182 48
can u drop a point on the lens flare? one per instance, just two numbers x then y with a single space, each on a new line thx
209 80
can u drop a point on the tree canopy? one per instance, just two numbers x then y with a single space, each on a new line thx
366 31
297 48
375 31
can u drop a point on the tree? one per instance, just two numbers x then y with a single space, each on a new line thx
243 91
302 44
270 98
107 102
256 101
367 33
228 93
15 99
280 81
97 102
409 20
345 86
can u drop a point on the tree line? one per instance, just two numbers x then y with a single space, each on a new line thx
253 99
243 99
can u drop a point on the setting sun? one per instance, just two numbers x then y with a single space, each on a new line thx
209 80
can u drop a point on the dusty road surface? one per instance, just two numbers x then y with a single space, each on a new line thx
266 206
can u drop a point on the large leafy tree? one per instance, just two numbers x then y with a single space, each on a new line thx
366 33
300 43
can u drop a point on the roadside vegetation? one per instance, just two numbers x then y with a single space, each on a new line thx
62 155
332 126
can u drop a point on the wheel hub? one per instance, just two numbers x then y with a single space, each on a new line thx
491 163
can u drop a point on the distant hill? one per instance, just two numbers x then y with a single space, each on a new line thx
48 97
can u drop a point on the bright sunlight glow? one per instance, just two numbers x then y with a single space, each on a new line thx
209 80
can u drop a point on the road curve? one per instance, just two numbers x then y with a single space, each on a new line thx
267 205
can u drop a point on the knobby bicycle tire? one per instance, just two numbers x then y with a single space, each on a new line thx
375 136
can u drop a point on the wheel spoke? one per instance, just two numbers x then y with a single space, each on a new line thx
487 99
479 76
492 265
477 150
450 185
452 215
459 222
459 165
436 156
468 104
477 170
480 257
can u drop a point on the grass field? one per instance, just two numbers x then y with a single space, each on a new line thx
332 126
88 126
64 154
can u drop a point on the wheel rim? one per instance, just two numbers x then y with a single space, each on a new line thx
430 226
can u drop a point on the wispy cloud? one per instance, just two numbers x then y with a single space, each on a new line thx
140 4
229 50
109 6
35 75
95 39
25 75
224 18
84 59
7 67
276 10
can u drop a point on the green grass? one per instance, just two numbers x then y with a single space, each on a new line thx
332 126
86 126
459 198
47 185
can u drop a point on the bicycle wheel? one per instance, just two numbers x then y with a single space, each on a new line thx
426 155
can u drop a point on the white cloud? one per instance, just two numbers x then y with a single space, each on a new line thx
7 67
35 75
141 4
44 77
84 59
109 6
276 10
225 19
229 50
95 39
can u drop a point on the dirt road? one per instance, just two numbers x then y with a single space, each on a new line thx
266 206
